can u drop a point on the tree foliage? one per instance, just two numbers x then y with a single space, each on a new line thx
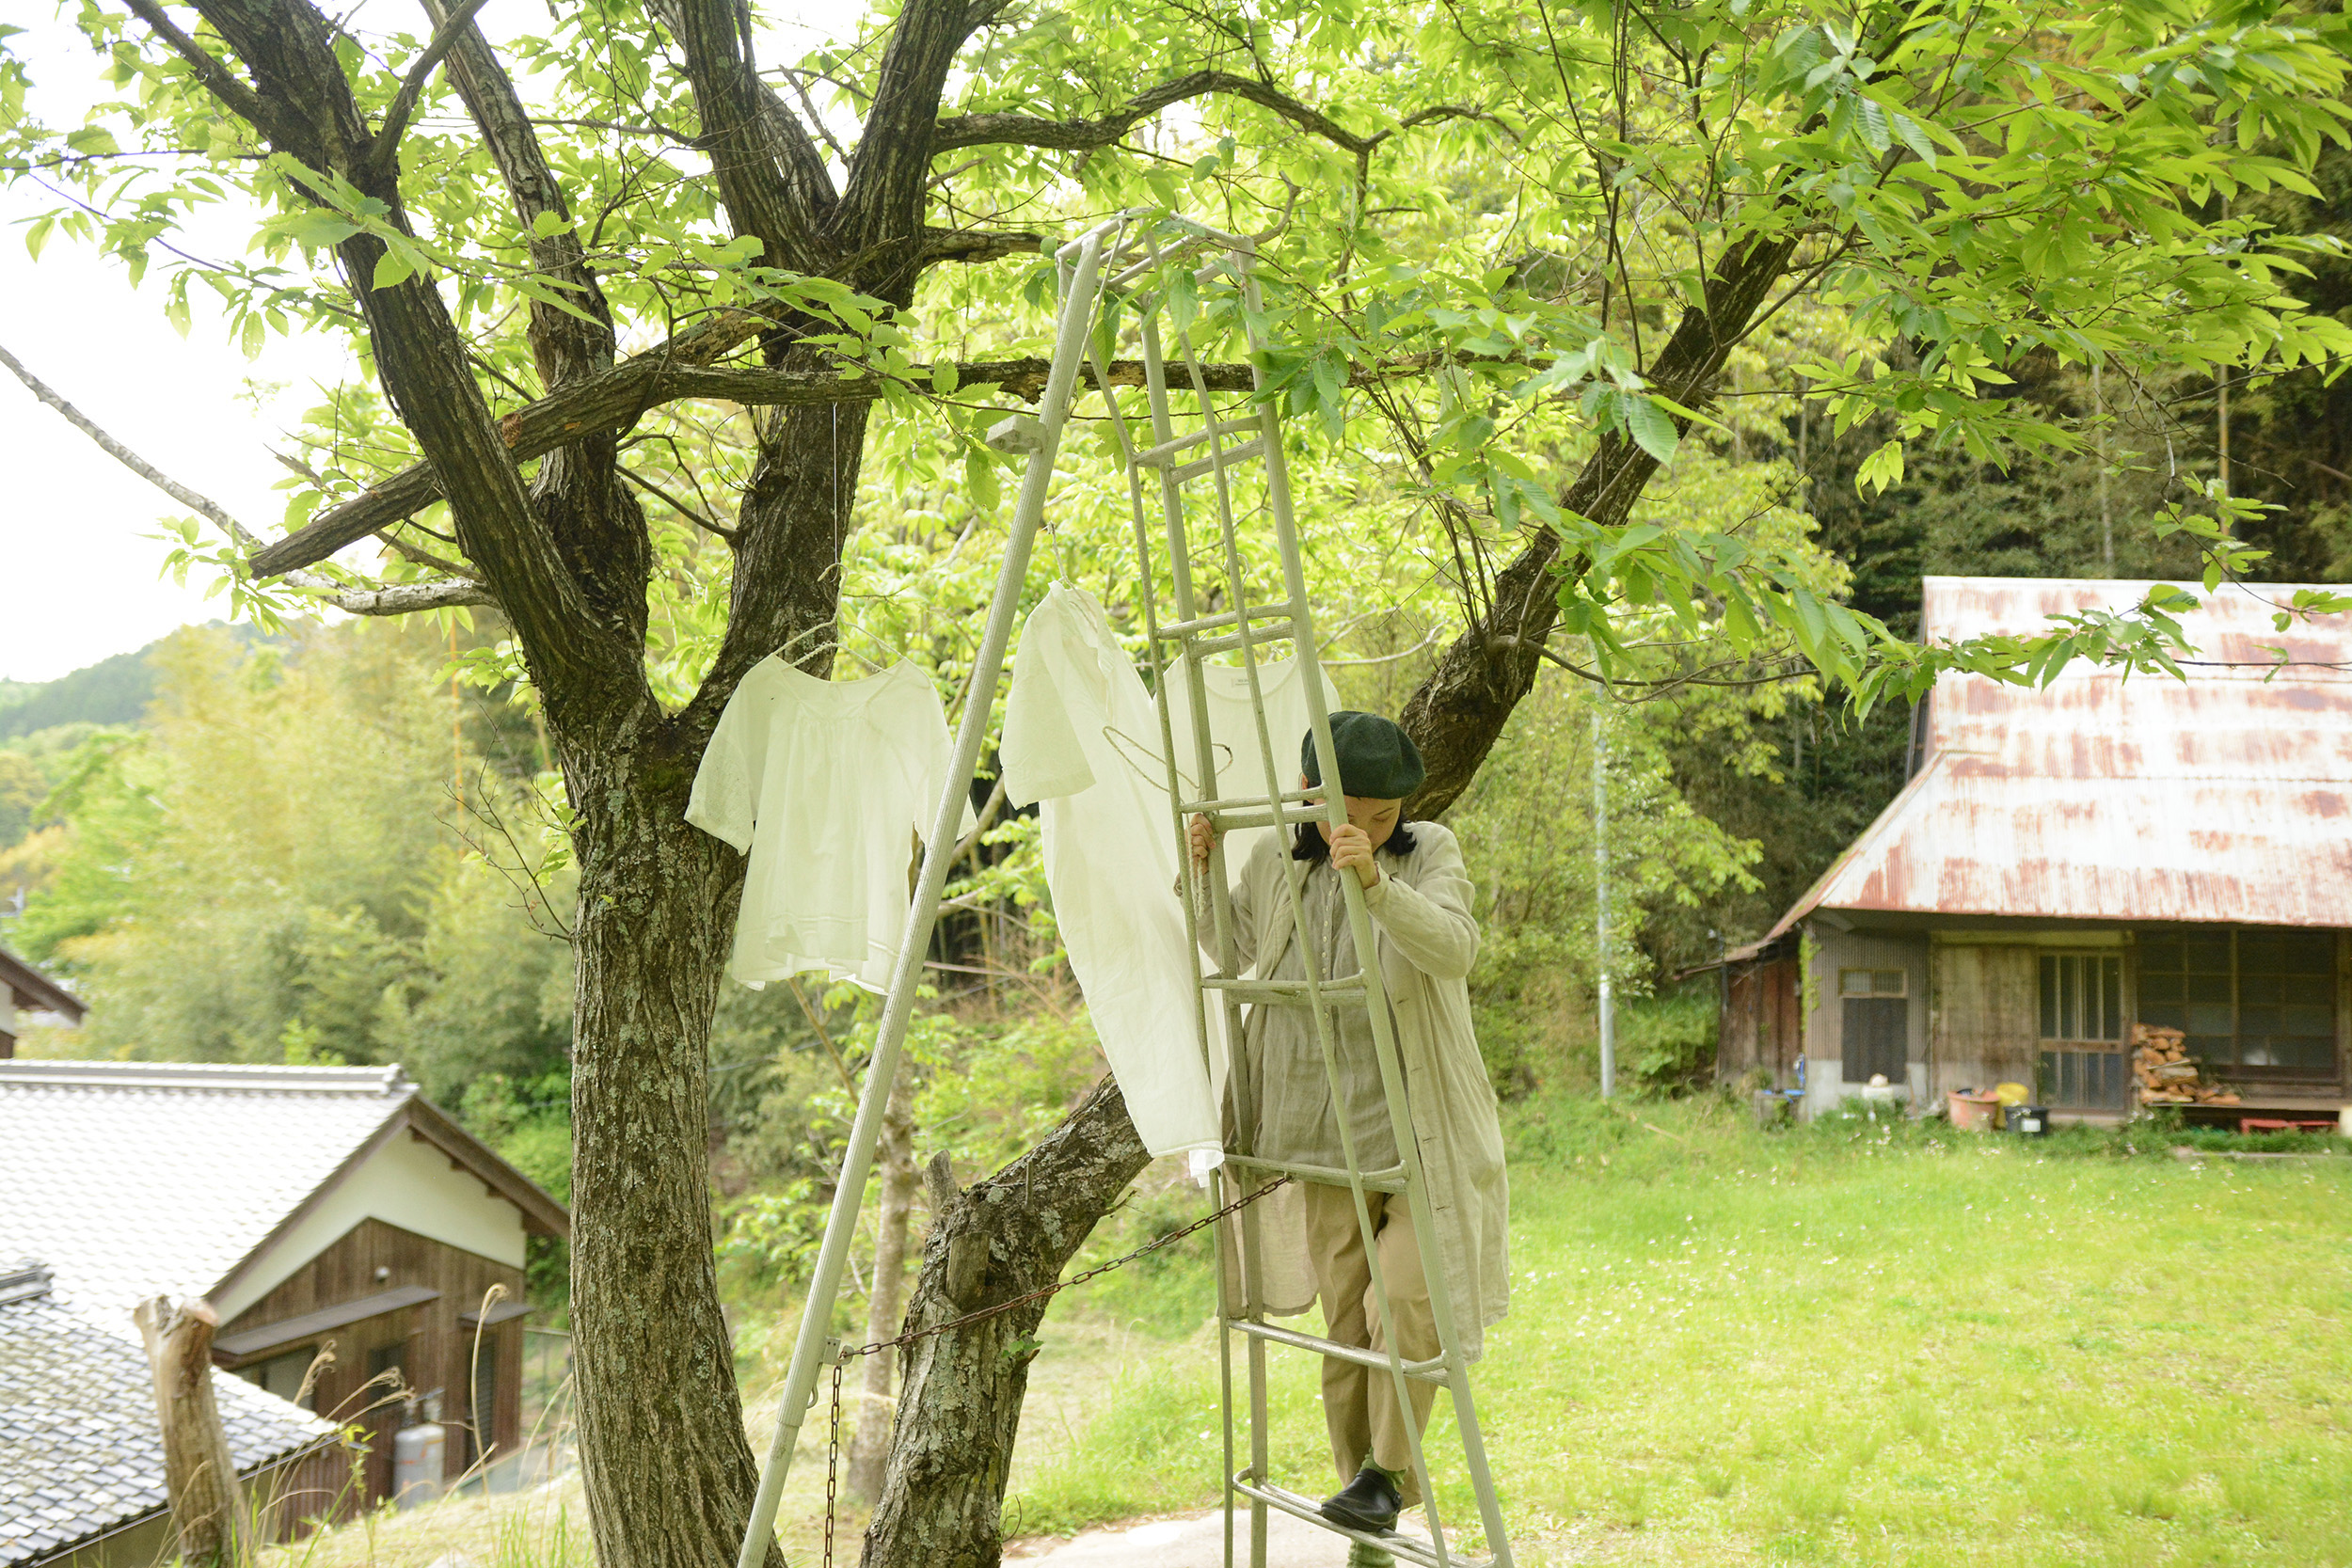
642 322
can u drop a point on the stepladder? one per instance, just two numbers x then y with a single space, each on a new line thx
1223 596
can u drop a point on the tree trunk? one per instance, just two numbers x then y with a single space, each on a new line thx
199 1477
943 1496
869 1444
668 1472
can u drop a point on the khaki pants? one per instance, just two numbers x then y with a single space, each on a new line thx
1360 1402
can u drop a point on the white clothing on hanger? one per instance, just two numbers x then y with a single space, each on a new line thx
824 784
1082 737
1233 735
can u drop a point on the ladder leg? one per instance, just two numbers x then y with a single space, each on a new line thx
1258 1468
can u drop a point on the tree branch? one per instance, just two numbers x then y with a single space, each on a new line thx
771 176
400 599
883 200
380 153
218 79
619 396
1076 135
972 245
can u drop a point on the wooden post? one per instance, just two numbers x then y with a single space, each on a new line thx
199 1476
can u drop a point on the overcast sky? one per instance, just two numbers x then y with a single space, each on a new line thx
80 568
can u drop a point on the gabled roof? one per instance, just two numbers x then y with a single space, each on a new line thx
35 990
81 1452
2224 797
134 1179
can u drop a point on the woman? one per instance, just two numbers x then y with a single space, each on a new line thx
1418 897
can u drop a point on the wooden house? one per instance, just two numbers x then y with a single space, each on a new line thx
27 989
2068 862
318 1209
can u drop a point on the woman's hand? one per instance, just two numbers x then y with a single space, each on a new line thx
1351 848
1203 840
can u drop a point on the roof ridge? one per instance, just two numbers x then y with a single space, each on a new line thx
387 1080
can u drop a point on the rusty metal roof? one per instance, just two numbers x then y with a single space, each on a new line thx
2223 797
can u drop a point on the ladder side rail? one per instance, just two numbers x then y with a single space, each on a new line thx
1304 649
1221 1181
1237 1078
1429 1243
799 1388
1147 598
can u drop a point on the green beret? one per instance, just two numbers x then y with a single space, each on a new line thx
1378 760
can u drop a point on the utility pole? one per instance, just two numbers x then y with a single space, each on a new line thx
1600 901
2106 518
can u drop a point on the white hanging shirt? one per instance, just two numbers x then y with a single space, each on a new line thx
822 782
1083 736
1233 738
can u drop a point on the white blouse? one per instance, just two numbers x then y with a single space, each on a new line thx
826 785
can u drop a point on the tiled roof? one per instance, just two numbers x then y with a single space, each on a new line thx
137 1178
80 1449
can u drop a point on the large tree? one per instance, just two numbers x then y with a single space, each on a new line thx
1531 246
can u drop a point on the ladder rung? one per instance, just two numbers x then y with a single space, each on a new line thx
1154 456
1431 1371
1389 1180
1249 803
1283 991
1266 638
1415 1549
1226 459
1242 820
1179 629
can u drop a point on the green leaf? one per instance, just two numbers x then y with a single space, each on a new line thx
92 140
392 270
1651 427
945 377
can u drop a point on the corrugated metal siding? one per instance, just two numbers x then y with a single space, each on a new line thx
2226 797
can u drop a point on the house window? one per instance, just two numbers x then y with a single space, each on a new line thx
2246 997
481 1417
2081 1063
282 1375
1877 1023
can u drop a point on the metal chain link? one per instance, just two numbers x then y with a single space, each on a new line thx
841 1362
833 1454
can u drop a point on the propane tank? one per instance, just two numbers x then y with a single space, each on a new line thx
419 1451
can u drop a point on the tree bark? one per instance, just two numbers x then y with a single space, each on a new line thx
199 1476
869 1443
943 1498
668 1472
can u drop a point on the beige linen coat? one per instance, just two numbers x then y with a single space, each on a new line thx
1427 940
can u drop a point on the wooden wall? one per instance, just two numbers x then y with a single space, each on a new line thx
436 1352
1984 1024
1761 1029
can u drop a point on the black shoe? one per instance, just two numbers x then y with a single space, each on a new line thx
1368 1503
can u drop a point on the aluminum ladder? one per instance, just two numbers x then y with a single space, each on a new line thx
1182 449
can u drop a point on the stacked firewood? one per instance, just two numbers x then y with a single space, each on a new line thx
2168 1074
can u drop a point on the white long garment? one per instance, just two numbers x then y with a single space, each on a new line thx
822 782
1233 738
1082 736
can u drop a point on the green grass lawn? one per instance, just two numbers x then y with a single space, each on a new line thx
1847 1343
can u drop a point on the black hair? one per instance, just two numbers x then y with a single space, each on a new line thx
1309 846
